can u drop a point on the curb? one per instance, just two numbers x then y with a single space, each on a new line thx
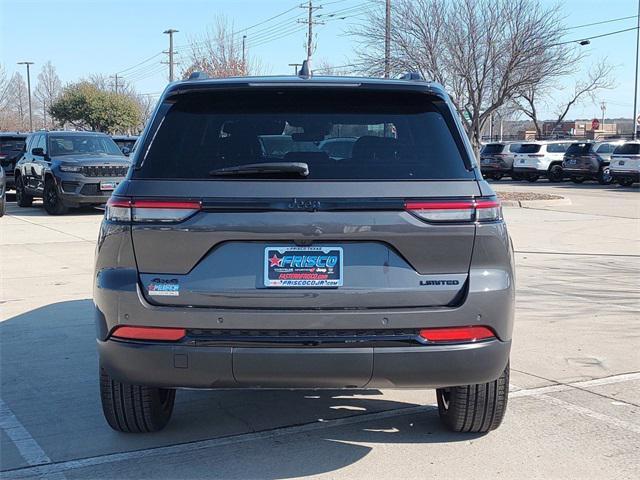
535 203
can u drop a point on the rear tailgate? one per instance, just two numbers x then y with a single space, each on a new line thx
354 208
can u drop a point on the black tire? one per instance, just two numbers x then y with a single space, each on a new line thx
498 176
625 182
577 179
474 408
516 177
3 205
604 176
532 178
51 199
135 408
555 173
23 199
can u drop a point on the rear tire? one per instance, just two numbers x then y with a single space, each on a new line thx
604 176
498 176
51 199
577 179
555 173
23 199
3 205
135 408
533 178
475 408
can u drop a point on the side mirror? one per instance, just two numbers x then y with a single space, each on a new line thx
37 152
126 151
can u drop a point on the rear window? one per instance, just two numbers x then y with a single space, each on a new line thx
529 148
339 134
492 149
557 147
11 145
515 147
628 149
579 148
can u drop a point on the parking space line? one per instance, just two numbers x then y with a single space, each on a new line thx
616 422
50 469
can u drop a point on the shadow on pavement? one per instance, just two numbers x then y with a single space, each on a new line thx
49 380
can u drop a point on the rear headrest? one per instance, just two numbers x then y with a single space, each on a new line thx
375 148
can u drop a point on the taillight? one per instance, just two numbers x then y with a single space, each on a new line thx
166 211
480 210
149 333
457 334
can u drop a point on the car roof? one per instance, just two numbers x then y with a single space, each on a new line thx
124 137
298 81
13 134
68 132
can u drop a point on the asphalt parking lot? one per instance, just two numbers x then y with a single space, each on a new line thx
574 410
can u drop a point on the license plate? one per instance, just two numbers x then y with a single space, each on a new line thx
306 267
621 162
522 160
572 161
485 160
108 186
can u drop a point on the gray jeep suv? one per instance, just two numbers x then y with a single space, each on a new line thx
220 265
68 169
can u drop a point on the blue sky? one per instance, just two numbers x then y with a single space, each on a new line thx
107 36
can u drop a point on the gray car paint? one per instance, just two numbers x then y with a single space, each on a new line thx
129 257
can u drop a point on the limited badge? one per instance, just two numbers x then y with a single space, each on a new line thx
168 287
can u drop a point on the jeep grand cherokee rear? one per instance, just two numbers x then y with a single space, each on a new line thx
222 264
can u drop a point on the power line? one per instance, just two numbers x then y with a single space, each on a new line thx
604 21
140 63
595 36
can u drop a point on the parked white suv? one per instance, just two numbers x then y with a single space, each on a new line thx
624 165
540 159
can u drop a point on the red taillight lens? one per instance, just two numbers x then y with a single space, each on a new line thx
149 333
457 334
482 210
166 211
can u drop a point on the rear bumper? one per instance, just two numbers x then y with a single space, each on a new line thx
581 172
186 366
495 169
529 170
622 175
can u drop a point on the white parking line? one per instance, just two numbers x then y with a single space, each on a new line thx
51 469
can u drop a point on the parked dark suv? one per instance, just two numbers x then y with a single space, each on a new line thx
11 148
69 169
496 159
222 266
589 161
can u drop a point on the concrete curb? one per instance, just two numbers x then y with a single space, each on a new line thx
535 203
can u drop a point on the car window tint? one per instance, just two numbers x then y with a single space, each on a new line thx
628 149
396 136
530 148
492 148
557 147
579 148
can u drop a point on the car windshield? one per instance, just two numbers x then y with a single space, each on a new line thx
82 144
391 135
11 145
579 148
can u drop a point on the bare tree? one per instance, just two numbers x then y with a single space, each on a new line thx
598 78
218 53
4 98
483 51
17 103
46 92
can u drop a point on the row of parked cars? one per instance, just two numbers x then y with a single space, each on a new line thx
604 161
65 169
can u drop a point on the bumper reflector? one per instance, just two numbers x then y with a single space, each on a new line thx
457 334
149 333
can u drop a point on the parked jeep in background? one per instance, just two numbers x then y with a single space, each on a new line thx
624 165
540 159
68 169
589 161
11 147
496 159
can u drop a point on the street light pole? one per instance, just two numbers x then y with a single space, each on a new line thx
635 90
29 90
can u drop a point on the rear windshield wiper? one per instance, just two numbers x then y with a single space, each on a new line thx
299 168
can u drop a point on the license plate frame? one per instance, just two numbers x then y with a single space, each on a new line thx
290 266
108 186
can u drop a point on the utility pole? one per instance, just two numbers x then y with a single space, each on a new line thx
635 90
29 90
244 63
295 67
387 39
603 107
116 83
310 22
170 32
